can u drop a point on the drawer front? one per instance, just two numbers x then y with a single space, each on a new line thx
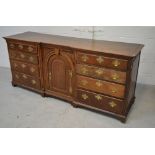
26 68
104 87
23 47
26 80
22 56
115 63
101 73
100 101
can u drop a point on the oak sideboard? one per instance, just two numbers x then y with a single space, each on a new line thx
95 74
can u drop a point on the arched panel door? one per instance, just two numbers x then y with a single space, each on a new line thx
59 77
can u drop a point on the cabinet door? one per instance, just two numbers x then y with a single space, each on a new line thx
59 74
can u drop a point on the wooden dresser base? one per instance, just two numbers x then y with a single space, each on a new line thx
92 74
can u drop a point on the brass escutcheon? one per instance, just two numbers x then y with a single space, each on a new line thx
20 46
114 91
33 82
98 83
30 49
84 58
23 65
84 82
116 63
112 104
84 70
24 76
100 59
98 97
32 69
31 59
84 96
99 71
115 76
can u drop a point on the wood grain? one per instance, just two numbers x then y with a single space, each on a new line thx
118 48
25 67
108 62
100 101
100 75
100 86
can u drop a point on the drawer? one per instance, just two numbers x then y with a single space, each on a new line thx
26 80
100 101
99 60
104 87
101 73
22 56
26 68
23 47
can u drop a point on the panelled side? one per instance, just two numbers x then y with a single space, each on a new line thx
132 81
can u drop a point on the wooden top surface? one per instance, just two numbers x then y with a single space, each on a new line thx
118 48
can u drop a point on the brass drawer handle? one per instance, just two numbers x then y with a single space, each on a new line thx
98 97
32 69
99 71
112 104
20 47
84 82
84 70
17 76
114 91
22 55
24 76
116 63
84 96
99 59
23 65
115 76
84 58
31 59
12 45
33 82
30 49
15 65
99 84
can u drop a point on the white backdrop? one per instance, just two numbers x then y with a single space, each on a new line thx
144 35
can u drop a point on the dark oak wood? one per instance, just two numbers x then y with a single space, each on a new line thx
103 61
23 47
101 73
25 67
25 57
100 101
26 80
98 75
101 86
59 72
